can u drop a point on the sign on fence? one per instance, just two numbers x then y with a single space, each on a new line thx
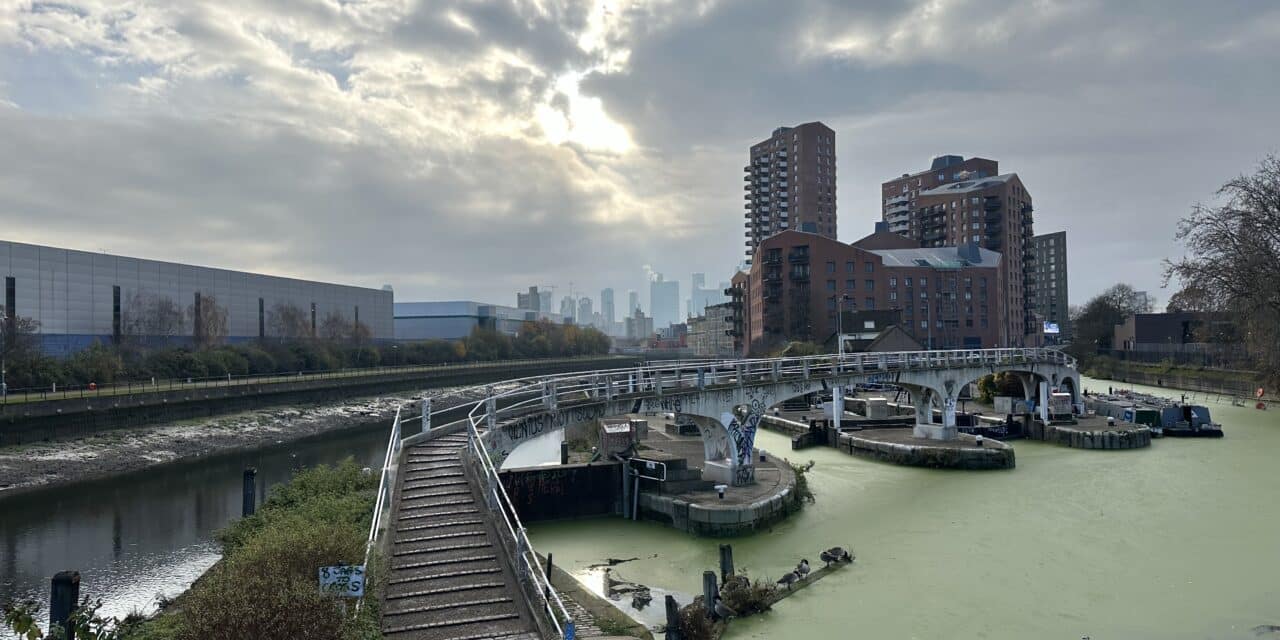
345 580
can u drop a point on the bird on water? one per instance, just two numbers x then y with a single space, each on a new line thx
836 554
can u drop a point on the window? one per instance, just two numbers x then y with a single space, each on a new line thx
848 267
984 323
869 267
893 295
893 282
871 285
262 318
115 313
968 295
906 281
831 285
831 266
848 284
924 324
870 303
924 295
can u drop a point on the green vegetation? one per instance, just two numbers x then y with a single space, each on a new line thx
803 492
1107 367
133 361
999 384
265 586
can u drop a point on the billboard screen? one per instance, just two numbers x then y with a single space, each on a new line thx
1051 327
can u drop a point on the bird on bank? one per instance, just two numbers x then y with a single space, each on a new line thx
789 579
836 554
802 569
723 611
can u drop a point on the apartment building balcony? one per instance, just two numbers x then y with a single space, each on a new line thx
993 243
1027 219
995 231
993 217
935 223
798 258
898 200
933 236
799 276
991 203
773 275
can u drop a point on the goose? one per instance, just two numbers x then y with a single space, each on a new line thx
723 611
789 579
836 554
802 569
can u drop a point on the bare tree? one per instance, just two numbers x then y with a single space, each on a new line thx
335 327
149 315
1233 259
208 320
288 321
19 337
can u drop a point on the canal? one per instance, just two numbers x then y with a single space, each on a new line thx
150 533
1176 541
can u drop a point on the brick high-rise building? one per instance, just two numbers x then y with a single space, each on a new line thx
1049 285
791 184
960 201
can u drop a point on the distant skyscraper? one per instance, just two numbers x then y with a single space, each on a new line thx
664 301
530 301
606 307
544 301
567 307
633 302
584 310
701 297
791 183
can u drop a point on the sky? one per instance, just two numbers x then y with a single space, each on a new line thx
468 150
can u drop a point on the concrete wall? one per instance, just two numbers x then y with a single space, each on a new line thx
565 491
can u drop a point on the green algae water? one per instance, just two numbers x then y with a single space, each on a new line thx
1181 540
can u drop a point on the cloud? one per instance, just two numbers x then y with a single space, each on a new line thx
468 150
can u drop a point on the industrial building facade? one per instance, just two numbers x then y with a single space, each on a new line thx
948 296
456 319
79 297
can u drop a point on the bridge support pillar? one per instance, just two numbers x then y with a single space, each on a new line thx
922 398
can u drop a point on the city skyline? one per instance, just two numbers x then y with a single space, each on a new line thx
355 162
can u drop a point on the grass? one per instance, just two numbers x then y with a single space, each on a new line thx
265 586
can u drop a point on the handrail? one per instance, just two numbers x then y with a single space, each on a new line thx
672 377
384 493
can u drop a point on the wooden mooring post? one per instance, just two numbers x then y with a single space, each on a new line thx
673 619
250 496
709 592
726 562
63 598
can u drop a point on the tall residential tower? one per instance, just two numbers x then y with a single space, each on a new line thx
791 184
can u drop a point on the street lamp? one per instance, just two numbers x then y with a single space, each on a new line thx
840 298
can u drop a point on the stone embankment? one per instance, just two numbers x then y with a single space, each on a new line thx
898 446
1092 434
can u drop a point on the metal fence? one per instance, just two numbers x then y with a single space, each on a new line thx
386 483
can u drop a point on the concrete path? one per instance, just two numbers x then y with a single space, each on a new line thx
448 578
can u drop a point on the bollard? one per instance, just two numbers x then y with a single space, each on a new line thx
63 596
673 619
726 562
564 452
720 490
546 595
250 495
709 592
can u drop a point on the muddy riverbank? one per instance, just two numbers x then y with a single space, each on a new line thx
46 464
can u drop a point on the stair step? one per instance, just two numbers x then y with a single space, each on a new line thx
456 512
435 494
452 574
437 525
437 563
453 623
440 503
430 592
442 536
454 547
433 485
442 607
410 476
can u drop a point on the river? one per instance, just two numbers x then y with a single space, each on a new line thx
149 533
1178 541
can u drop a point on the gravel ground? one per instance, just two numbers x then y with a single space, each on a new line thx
29 466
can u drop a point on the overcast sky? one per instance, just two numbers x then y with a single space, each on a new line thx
470 149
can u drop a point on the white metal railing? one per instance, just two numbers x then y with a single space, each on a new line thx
385 484
522 396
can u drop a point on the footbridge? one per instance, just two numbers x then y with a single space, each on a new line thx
460 564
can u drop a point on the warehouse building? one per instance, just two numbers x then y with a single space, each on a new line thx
79 297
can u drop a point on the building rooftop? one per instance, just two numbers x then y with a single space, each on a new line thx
939 257
965 186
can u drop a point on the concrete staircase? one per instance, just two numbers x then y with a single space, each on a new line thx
448 578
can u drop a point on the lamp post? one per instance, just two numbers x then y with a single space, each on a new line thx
840 298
